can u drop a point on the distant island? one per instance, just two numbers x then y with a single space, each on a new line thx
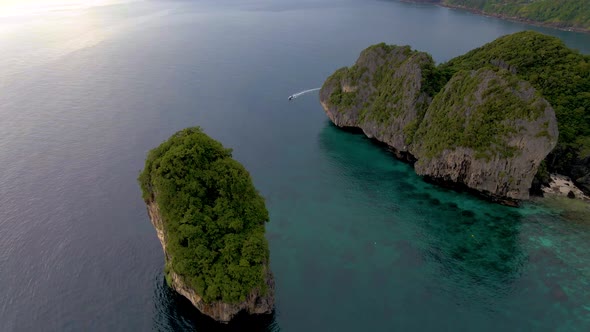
210 221
562 14
497 120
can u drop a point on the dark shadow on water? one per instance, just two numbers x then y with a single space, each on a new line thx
174 312
472 241
484 250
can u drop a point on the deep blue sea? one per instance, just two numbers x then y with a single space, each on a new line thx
358 241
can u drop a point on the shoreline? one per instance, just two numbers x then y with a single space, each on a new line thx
567 200
505 17
571 210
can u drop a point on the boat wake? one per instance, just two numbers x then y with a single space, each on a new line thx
298 94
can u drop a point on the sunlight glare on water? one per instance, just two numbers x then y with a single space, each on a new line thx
20 8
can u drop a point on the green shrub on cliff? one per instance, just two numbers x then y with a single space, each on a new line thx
342 99
391 82
213 216
491 119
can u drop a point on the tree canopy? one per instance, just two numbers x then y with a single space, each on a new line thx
213 216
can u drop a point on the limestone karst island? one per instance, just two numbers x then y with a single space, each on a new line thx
497 120
210 221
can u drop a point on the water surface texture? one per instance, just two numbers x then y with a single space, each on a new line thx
358 241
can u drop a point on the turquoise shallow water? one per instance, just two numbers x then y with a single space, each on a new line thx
358 241
393 249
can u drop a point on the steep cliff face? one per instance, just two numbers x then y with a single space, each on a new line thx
382 94
561 75
255 303
487 129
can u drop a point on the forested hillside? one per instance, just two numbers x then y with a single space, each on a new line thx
559 13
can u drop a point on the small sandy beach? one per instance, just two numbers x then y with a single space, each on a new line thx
562 186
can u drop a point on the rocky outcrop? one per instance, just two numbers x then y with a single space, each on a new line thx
255 303
486 130
491 136
382 94
581 174
584 184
